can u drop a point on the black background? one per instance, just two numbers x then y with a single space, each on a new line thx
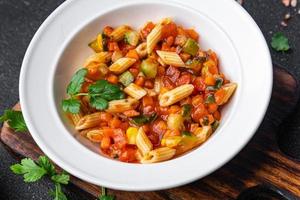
19 20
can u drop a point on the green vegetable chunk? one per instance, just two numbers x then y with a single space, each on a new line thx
186 133
131 38
191 47
210 99
126 78
15 120
149 67
280 42
144 119
215 125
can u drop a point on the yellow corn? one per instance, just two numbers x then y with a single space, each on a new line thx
131 134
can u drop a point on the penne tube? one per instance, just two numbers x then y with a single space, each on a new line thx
142 142
158 155
121 65
135 91
119 106
228 89
89 121
75 117
175 95
170 58
95 135
142 50
153 38
102 57
119 33
203 134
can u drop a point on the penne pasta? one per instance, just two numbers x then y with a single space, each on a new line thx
102 57
142 50
76 117
170 58
95 135
142 142
154 37
228 90
203 134
121 65
119 106
158 155
175 95
135 91
89 121
119 33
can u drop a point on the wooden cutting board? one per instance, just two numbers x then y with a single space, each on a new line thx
259 170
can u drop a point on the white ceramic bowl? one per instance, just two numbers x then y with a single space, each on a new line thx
60 46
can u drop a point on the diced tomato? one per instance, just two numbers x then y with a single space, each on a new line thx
174 109
131 113
199 84
170 40
112 79
134 71
107 131
115 123
113 46
140 80
185 56
147 101
219 95
199 112
169 30
128 154
193 34
148 110
217 115
146 128
159 127
168 83
212 107
184 79
173 73
147 29
198 99
161 70
132 54
104 116
105 142
172 133
149 84
154 138
124 126
107 30
119 138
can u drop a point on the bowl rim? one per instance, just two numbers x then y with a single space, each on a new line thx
33 130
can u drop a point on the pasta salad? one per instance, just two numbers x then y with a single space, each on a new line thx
147 95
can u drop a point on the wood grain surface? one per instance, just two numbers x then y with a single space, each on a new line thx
260 163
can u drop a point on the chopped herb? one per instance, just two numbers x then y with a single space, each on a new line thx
98 103
14 119
280 42
77 80
215 125
186 110
104 195
58 194
186 133
218 85
205 121
144 119
210 99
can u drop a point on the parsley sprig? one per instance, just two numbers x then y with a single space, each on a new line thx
15 120
280 42
99 93
104 195
33 171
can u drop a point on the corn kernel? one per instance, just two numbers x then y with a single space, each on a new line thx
131 134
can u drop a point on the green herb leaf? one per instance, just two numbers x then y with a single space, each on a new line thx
71 105
61 178
98 102
280 42
186 133
219 83
210 99
58 194
215 125
144 119
77 80
15 120
30 170
104 196
186 110
45 163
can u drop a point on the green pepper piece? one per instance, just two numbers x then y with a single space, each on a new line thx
191 47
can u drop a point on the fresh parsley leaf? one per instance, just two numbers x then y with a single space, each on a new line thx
71 105
98 87
77 80
98 102
45 163
280 42
15 120
106 90
215 125
104 196
61 178
186 110
30 170
58 194
186 133
144 119
210 99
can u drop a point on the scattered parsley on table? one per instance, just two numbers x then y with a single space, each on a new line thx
280 42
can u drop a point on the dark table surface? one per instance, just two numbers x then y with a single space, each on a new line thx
19 20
